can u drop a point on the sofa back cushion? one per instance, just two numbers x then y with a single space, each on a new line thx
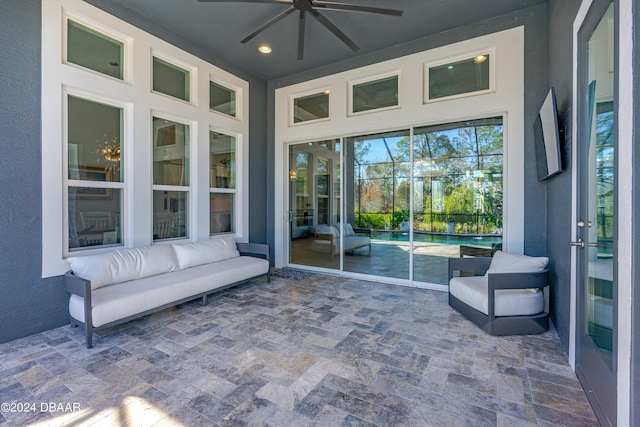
123 265
503 262
205 251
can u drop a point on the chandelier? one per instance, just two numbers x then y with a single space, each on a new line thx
109 149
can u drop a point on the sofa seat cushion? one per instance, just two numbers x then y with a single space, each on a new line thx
474 291
123 265
119 301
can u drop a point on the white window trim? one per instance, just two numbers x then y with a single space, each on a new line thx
506 101
139 103
491 52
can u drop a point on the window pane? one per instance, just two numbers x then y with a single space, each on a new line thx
170 79
170 152
222 99
169 215
376 94
95 135
94 217
221 217
311 107
88 48
469 75
222 173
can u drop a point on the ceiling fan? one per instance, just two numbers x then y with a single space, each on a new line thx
313 7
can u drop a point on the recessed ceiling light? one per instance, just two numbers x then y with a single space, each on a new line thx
264 48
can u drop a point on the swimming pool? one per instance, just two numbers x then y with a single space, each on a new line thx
487 240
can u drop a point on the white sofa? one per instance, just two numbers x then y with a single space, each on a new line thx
114 287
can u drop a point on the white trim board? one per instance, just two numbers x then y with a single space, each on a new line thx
139 102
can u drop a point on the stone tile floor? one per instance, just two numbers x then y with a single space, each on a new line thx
307 350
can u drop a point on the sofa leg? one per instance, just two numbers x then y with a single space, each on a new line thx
88 337
204 300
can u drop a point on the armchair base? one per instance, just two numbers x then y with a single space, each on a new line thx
503 325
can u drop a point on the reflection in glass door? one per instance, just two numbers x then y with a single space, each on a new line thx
595 228
314 203
377 204
457 187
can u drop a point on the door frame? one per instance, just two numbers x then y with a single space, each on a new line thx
624 208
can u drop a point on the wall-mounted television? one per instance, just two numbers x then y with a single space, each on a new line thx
547 137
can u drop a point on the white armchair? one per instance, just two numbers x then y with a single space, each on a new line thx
511 298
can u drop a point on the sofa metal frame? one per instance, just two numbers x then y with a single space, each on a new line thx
82 287
502 325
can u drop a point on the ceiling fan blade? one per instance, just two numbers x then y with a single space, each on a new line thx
301 36
329 5
248 1
335 30
268 24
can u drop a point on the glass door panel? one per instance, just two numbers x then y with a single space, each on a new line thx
457 187
314 204
595 200
377 189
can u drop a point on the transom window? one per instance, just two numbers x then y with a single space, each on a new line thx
222 99
94 50
466 76
311 107
171 79
378 94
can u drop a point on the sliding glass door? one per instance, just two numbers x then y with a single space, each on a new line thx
412 199
314 203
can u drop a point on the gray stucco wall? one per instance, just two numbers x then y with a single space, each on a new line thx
559 224
29 304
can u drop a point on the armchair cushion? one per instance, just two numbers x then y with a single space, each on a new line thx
503 262
474 291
